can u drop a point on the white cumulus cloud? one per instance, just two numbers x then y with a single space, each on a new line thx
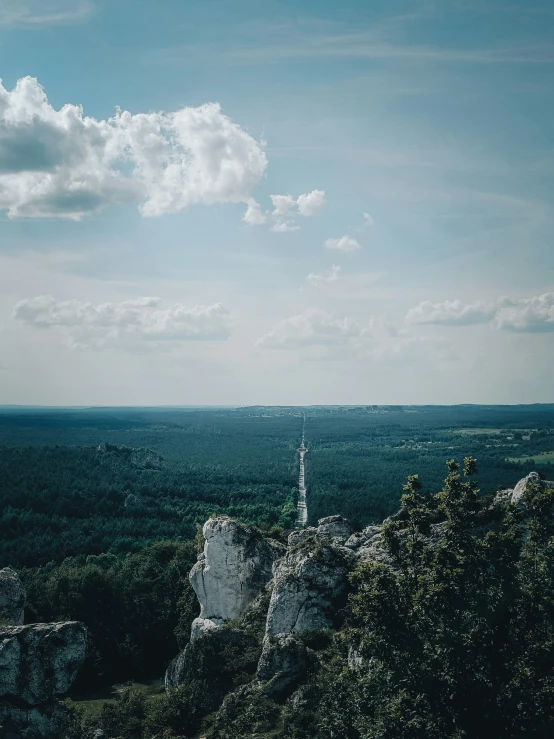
531 315
451 313
286 209
325 278
525 315
310 203
61 163
253 214
311 328
141 319
345 243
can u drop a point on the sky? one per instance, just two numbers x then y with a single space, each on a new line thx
235 202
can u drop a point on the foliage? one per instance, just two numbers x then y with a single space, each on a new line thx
135 608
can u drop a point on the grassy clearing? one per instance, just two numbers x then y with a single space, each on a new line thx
91 706
492 432
541 458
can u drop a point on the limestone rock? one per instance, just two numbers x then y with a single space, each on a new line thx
516 495
373 551
12 598
49 721
283 663
300 535
233 570
360 538
40 661
216 658
146 459
335 527
308 583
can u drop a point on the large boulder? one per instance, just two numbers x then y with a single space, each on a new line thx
233 570
221 658
40 661
337 528
283 663
515 495
37 663
48 721
308 586
12 598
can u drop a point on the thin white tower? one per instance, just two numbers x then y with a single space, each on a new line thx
302 508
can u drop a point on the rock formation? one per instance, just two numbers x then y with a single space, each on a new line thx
232 571
307 584
515 495
12 598
283 662
37 663
143 459
298 590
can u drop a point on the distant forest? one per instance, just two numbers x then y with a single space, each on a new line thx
103 505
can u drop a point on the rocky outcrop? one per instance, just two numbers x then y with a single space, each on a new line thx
337 528
146 459
49 721
40 661
37 663
515 495
12 598
143 459
220 659
233 570
283 663
309 586
308 583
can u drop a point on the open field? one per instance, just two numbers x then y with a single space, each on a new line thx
541 458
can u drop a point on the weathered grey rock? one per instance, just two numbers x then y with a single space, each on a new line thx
12 598
283 663
355 658
233 570
359 538
515 495
300 535
215 658
40 661
146 459
49 721
308 582
335 527
374 551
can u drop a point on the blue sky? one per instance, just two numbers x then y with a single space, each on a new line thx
411 263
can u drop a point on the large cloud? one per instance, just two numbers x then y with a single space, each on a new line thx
61 163
451 313
128 321
311 328
528 314
532 315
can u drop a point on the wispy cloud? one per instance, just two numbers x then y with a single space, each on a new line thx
14 13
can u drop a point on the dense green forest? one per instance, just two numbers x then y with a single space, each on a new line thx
100 507
61 497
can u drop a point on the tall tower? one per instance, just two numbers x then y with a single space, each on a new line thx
302 508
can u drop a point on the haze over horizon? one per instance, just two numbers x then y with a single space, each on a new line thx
278 203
